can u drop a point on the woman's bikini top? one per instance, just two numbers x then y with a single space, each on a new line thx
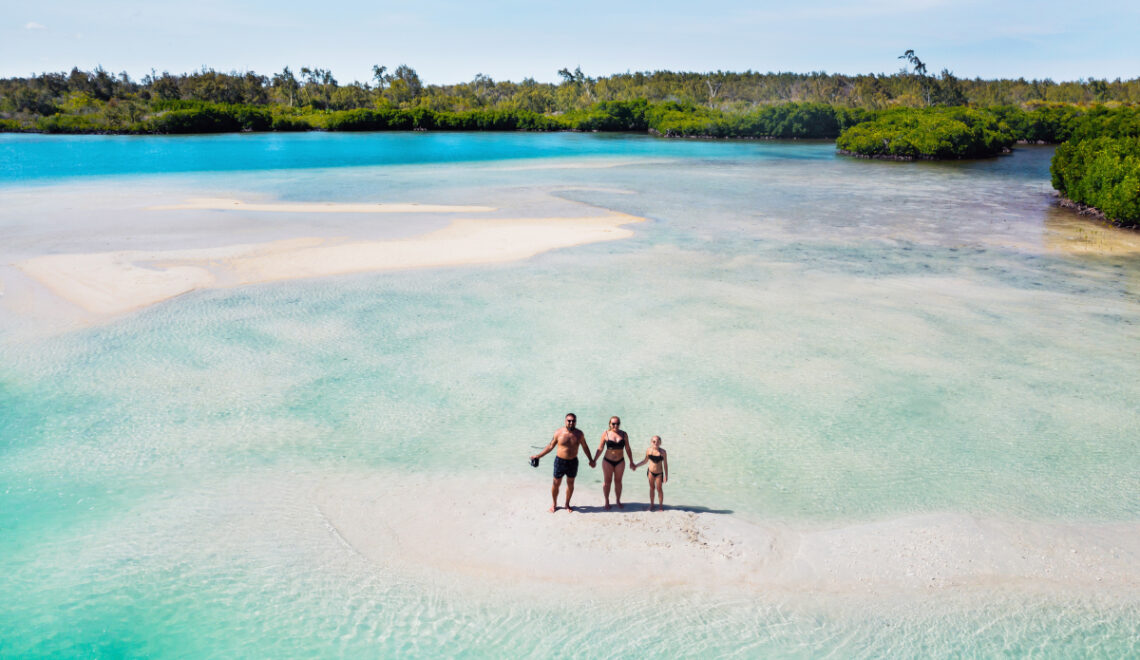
655 459
615 444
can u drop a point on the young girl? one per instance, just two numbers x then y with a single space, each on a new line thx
658 470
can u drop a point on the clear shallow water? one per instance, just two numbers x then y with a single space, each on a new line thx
820 341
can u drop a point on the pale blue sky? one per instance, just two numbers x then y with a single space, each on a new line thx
450 41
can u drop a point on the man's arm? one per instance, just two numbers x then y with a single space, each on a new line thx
553 441
586 448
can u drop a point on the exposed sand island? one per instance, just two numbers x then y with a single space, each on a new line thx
120 281
223 204
510 538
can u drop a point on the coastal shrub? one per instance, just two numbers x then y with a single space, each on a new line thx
10 126
928 133
181 116
253 118
198 120
788 121
476 120
1101 172
290 123
60 123
1106 122
1046 123
610 116
673 119
384 119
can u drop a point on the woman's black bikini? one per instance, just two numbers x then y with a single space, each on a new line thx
615 444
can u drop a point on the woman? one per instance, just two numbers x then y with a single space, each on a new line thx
658 470
616 444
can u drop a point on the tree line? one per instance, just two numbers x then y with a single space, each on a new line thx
116 101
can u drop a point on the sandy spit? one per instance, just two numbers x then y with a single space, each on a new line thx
223 204
105 283
510 537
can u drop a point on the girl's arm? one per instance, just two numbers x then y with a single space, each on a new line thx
665 463
637 465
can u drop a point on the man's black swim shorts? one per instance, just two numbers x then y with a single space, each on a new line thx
565 468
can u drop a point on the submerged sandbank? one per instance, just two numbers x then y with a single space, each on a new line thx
121 281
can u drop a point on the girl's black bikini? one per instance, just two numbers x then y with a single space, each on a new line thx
656 460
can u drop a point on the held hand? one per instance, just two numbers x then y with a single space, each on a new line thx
593 464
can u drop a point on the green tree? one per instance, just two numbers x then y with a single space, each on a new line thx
286 85
919 68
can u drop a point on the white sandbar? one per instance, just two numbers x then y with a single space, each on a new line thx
116 282
509 537
223 204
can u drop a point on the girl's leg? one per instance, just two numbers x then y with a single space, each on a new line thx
607 477
652 492
661 494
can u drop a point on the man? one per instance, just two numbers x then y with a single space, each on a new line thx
568 440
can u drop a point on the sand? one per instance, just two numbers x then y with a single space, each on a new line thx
106 283
1067 231
225 204
438 529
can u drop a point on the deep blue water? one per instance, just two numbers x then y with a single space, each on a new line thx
26 158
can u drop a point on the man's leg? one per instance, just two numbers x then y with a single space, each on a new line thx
569 491
554 494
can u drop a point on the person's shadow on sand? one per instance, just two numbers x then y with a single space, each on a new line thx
634 507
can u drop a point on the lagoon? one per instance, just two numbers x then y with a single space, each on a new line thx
898 401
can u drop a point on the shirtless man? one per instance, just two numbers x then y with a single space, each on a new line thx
568 439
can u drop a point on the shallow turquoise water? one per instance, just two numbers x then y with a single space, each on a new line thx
819 341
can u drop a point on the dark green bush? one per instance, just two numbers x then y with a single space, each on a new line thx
790 120
373 120
929 133
1106 122
1102 172
202 117
71 124
211 119
290 123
